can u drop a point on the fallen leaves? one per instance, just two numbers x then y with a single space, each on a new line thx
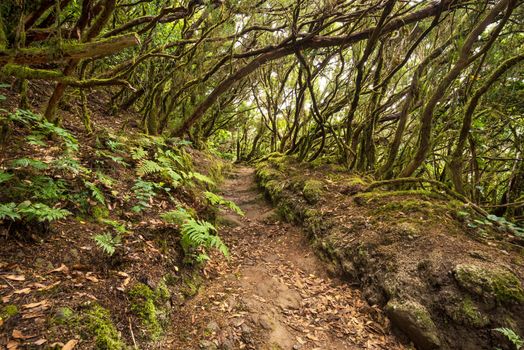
89 276
17 334
70 344
126 281
23 291
63 268
17 278
43 303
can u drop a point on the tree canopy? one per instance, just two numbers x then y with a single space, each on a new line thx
392 88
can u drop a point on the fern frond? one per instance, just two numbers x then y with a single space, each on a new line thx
198 233
107 242
144 192
202 178
29 162
138 153
70 165
105 180
8 210
96 192
116 225
148 167
513 337
46 188
215 199
4 177
41 212
116 159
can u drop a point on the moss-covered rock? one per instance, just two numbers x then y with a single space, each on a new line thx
312 191
415 321
99 325
495 284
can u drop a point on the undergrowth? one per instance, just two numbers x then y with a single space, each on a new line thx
49 180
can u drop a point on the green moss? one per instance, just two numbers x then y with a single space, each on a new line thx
144 302
64 315
191 285
162 293
266 174
99 324
99 212
274 188
467 313
473 314
495 284
355 181
369 196
312 191
286 211
8 311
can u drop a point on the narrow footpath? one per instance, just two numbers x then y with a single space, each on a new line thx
273 292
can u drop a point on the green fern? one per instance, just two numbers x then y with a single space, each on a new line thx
70 165
148 167
144 192
115 145
215 199
96 192
29 162
40 212
107 242
513 337
116 225
138 153
199 233
105 180
115 159
202 178
45 188
195 234
4 177
42 127
8 211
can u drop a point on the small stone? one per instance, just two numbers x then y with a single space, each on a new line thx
297 347
212 327
264 323
246 329
208 345
228 344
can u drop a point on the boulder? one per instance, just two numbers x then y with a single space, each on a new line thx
492 284
413 319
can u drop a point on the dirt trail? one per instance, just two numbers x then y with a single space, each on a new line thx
273 293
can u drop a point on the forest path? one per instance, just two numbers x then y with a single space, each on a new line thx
273 292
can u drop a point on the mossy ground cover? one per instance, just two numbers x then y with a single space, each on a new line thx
401 244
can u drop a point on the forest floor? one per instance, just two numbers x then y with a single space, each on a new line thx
273 292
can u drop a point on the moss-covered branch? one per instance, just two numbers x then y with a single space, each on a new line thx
23 72
68 51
